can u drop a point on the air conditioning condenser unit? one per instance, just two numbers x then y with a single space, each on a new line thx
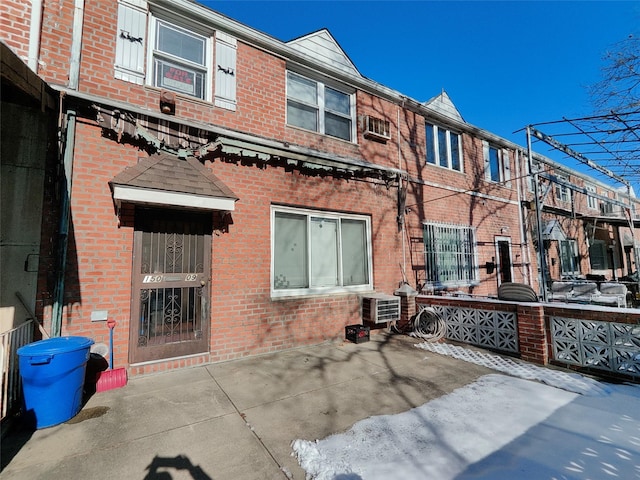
380 308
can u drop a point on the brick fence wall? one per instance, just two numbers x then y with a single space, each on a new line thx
534 319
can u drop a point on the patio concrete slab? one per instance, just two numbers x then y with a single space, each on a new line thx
234 420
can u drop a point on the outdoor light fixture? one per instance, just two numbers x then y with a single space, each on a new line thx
167 102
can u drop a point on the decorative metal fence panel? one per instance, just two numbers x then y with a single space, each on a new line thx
10 341
484 328
614 347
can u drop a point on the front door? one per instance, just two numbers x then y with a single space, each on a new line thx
505 273
171 274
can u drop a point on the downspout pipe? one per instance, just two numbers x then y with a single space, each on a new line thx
401 195
76 44
63 229
69 145
34 35
524 244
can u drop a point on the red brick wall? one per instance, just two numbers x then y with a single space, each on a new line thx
244 318
14 26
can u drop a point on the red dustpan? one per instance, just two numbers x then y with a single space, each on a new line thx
112 378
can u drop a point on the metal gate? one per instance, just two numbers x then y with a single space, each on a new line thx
171 276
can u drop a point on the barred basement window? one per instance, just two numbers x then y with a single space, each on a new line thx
450 255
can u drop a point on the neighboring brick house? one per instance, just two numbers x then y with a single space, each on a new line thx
233 195
589 229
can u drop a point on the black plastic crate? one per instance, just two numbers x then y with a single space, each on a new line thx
357 333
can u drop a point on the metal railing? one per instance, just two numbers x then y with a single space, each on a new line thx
11 340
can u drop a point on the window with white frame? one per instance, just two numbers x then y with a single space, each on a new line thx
318 107
497 166
450 253
444 147
179 56
592 202
563 193
319 252
569 261
179 59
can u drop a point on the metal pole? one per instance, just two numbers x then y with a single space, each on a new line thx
636 251
542 267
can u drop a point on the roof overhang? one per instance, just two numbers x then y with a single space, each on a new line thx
614 221
298 157
553 231
149 196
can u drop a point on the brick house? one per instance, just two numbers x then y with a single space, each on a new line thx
589 229
231 194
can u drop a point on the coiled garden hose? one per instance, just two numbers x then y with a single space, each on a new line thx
429 325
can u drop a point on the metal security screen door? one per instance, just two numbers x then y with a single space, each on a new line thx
172 262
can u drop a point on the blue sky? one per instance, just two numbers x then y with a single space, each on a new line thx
505 64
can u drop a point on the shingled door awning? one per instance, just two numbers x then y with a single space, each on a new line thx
166 180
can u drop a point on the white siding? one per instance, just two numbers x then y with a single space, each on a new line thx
322 46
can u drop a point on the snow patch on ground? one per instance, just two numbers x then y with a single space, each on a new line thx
496 428
430 439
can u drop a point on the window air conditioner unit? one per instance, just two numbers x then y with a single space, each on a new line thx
376 128
380 308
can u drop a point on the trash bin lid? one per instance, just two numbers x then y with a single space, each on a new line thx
56 345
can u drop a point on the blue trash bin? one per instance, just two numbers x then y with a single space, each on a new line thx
52 373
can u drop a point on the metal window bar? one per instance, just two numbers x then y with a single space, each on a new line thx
449 254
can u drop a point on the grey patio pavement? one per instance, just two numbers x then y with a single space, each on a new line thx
234 420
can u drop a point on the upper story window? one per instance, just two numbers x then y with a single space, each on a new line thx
159 52
179 59
592 202
497 166
312 105
444 148
563 193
